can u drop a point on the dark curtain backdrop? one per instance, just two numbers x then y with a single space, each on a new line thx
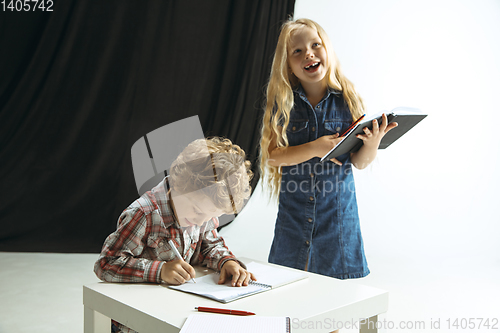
79 85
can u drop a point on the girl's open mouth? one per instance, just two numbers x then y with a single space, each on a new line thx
312 67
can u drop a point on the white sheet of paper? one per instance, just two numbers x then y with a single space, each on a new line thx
230 324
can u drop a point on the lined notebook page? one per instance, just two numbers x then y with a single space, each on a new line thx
208 286
215 323
274 276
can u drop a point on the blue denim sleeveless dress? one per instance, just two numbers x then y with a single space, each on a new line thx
318 221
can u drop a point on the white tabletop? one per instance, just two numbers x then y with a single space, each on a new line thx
317 300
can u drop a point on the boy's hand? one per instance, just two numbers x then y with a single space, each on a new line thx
177 272
240 275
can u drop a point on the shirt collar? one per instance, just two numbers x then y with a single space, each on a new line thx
160 193
301 92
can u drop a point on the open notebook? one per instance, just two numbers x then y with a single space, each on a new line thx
268 277
229 324
407 118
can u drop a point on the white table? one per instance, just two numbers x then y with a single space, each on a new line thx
313 304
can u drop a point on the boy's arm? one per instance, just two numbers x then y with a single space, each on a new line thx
214 251
218 257
120 260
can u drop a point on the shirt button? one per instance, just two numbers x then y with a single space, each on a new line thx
311 198
313 129
294 128
307 242
312 174
309 220
338 129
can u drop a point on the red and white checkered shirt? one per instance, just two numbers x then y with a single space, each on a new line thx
136 251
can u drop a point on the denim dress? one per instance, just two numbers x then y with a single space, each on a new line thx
318 223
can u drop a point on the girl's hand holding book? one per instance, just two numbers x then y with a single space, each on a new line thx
325 143
372 138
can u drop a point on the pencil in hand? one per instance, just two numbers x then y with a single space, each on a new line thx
177 254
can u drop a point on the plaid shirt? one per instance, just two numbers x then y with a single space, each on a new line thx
136 251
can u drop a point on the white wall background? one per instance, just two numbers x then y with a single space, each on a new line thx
428 204
434 192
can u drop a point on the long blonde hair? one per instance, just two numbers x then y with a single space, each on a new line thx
280 98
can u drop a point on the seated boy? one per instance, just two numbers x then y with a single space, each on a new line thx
209 178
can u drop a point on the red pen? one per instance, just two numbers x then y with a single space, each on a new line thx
353 124
225 311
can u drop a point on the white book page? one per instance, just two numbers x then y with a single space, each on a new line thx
230 324
403 110
274 276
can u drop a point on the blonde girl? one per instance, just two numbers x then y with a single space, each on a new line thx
309 103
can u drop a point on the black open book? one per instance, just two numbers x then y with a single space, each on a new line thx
406 118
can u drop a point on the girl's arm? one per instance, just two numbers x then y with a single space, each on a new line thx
292 155
371 140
